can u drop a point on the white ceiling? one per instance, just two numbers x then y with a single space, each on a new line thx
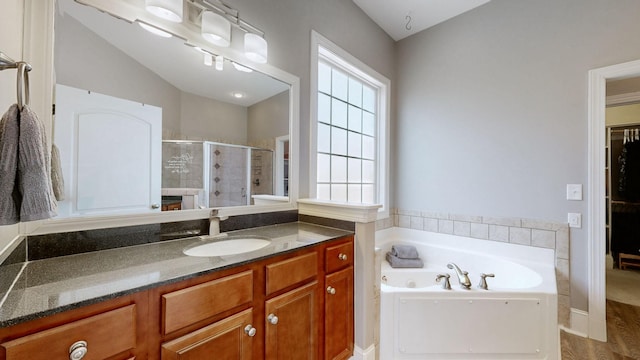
401 18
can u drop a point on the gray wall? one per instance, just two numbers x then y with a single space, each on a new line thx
492 110
269 118
208 119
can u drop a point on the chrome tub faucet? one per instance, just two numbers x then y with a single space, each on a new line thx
463 276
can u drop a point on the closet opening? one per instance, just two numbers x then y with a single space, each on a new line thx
622 120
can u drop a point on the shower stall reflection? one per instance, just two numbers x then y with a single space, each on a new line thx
204 174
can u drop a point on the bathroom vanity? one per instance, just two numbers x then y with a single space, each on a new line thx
290 300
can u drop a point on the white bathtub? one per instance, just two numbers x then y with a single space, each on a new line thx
516 318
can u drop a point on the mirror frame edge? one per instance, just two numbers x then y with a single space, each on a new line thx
38 50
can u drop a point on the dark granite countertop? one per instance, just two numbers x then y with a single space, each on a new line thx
49 286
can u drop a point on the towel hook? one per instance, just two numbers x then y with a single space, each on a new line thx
23 83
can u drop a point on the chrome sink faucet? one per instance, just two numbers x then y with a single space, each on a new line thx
463 276
214 222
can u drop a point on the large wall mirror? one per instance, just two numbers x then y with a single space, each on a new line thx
147 124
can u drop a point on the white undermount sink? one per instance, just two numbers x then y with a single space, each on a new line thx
228 246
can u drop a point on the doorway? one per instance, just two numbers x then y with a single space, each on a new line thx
597 210
622 121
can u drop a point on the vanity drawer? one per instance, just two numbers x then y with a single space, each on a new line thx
188 306
338 256
291 271
106 335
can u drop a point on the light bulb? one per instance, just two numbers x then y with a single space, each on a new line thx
208 60
216 29
255 48
219 62
167 9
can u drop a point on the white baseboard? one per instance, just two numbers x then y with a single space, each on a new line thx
368 354
579 323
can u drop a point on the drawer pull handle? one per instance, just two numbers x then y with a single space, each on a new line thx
342 256
272 319
331 290
250 330
78 350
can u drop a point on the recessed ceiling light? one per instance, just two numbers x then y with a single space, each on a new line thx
237 95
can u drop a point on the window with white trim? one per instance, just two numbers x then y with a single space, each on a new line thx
351 125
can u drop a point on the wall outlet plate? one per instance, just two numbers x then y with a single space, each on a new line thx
574 191
575 220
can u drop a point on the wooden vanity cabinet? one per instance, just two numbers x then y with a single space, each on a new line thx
205 316
296 314
112 330
338 315
291 317
281 307
338 302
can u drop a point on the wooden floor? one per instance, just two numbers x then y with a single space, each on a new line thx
623 333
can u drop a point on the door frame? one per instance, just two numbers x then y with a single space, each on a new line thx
279 161
596 230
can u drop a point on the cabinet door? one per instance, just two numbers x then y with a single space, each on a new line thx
226 339
291 324
338 309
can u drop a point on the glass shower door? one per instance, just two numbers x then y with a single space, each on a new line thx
228 175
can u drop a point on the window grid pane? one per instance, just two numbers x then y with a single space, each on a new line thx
346 137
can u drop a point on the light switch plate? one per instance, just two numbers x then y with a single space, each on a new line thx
574 191
575 220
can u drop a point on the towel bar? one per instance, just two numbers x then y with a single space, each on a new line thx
22 85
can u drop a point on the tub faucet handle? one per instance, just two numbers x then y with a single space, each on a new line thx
446 285
483 281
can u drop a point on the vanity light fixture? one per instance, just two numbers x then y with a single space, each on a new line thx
166 9
155 30
217 18
255 48
219 62
216 29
